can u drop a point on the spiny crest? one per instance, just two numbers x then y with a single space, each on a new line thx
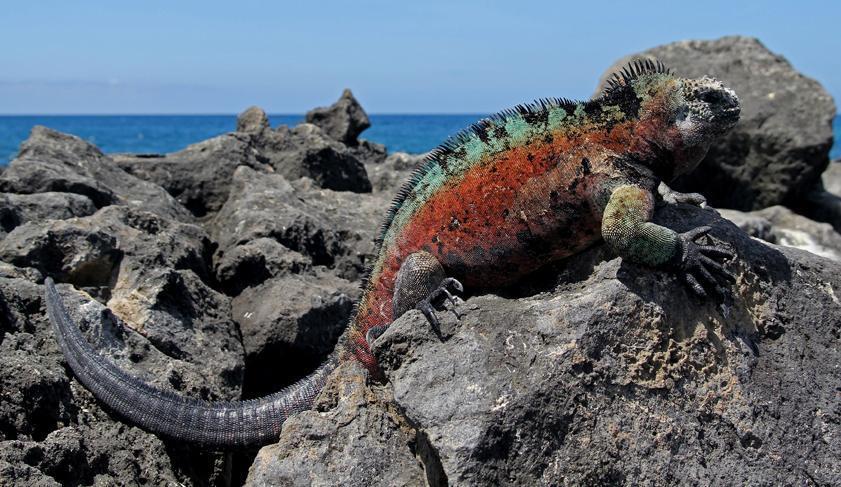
402 193
634 70
529 112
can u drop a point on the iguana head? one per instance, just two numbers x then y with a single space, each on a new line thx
679 118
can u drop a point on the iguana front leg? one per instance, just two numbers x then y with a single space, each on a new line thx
626 227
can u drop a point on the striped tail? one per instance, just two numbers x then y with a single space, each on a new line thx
214 424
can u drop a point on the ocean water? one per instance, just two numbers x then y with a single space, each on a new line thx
169 133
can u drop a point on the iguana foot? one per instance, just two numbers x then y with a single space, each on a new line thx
436 300
697 264
375 332
670 196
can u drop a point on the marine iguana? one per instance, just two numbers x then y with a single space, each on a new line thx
527 186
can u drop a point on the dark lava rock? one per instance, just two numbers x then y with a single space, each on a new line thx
51 161
369 152
343 120
252 120
781 226
198 176
306 151
255 261
333 229
17 209
779 149
54 432
289 325
393 171
354 436
150 271
71 251
88 456
824 202
831 178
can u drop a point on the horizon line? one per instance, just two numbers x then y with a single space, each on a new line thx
216 114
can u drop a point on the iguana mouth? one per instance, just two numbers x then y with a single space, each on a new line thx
727 118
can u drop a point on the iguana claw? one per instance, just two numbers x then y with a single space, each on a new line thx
670 196
427 306
697 266
436 299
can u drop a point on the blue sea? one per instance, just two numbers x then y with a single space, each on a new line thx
160 134
168 133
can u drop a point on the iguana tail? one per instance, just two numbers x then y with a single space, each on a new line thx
218 424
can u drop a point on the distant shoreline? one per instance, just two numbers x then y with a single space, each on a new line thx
165 133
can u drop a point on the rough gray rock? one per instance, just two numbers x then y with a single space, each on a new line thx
831 178
17 209
781 226
289 325
369 152
393 171
252 120
53 431
150 271
780 147
306 151
198 176
822 206
334 229
824 203
88 456
253 262
343 120
619 376
354 436
52 161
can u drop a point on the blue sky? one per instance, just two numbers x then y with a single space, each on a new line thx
398 57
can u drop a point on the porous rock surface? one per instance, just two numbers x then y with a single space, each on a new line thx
199 176
343 120
824 203
17 209
51 161
778 150
354 435
781 226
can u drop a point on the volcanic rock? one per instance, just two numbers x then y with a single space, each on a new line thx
781 226
354 436
388 176
289 325
334 229
17 209
620 376
306 151
150 271
198 176
252 120
51 161
343 120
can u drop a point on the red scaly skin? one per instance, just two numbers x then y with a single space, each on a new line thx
509 215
